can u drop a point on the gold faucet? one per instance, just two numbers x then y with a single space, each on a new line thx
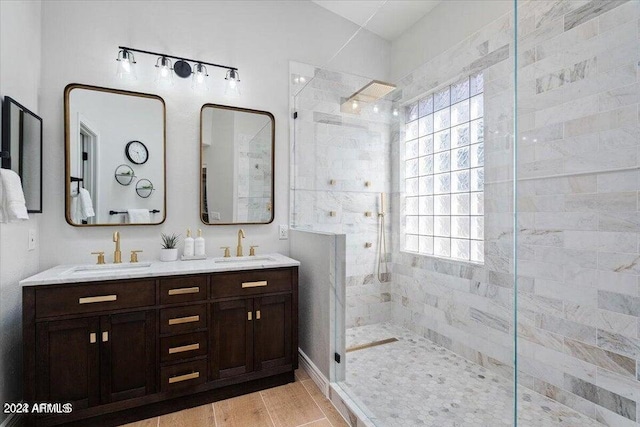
240 237
117 255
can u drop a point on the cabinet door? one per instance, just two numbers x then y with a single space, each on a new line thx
67 367
128 356
273 346
232 343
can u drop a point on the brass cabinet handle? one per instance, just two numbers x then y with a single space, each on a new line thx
105 336
180 320
183 348
92 338
254 284
258 315
185 377
249 315
101 298
182 291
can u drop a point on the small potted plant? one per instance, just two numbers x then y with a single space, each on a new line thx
169 251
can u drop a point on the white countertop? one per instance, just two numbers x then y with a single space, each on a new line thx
91 273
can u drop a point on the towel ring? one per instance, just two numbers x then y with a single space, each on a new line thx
144 188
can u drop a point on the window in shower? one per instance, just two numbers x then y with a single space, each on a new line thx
444 172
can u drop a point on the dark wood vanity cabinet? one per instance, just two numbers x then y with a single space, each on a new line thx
126 350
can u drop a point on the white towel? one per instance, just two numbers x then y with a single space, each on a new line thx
139 216
12 204
85 205
74 210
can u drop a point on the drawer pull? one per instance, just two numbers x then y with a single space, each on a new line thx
258 315
181 320
254 284
184 348
179 378
182 291
249 315
105 336
102 298
92 338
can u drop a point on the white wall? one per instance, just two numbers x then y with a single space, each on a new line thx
19 79
449 23
80 42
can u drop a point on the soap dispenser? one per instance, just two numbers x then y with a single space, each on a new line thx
199 242
188 244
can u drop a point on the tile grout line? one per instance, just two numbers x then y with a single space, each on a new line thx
315 421
215 420
264 402
314 400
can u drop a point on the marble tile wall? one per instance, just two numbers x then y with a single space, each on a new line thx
340 167
254 186
578 209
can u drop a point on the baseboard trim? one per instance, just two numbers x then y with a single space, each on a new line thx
12 420
316 375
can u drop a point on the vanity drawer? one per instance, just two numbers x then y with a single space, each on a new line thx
182 375
183 289
184 346
183 319
94 297
250 283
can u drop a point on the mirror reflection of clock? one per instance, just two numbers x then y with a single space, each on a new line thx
136 152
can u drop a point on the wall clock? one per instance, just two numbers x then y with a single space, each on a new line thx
136 152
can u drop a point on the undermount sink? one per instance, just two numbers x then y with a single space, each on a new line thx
244 260
108 268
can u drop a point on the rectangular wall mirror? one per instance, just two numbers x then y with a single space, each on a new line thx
22 150
237 164
115 157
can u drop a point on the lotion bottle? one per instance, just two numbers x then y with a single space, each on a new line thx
200 246
188 244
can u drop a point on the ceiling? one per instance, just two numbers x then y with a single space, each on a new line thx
392 17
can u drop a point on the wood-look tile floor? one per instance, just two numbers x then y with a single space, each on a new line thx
296 404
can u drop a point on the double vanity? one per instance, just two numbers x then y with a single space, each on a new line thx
123 342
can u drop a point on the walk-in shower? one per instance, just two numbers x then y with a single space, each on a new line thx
508 161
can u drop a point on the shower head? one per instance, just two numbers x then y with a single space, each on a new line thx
370 93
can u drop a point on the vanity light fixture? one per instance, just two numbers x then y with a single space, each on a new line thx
164 75
199 79
233 83
181 67
126 65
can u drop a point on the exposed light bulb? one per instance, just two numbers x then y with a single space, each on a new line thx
395 112
233 84
376 109
164 76
354 105
199 79
126 69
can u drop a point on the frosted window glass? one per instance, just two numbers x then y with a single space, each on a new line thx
442 247
425 125
442 226
411 205
425 145
411 150
411 242
442 205
441 99
411 130
460 226
411 112
441 141
426 205
460 249
460 113
412 225
459 204
425 106
444 172
426 226
426 245
442 119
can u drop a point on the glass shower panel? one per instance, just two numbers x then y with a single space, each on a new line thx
577 178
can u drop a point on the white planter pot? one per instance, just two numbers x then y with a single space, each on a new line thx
167 255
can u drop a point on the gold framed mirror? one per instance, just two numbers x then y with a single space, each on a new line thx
110 133
237 160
